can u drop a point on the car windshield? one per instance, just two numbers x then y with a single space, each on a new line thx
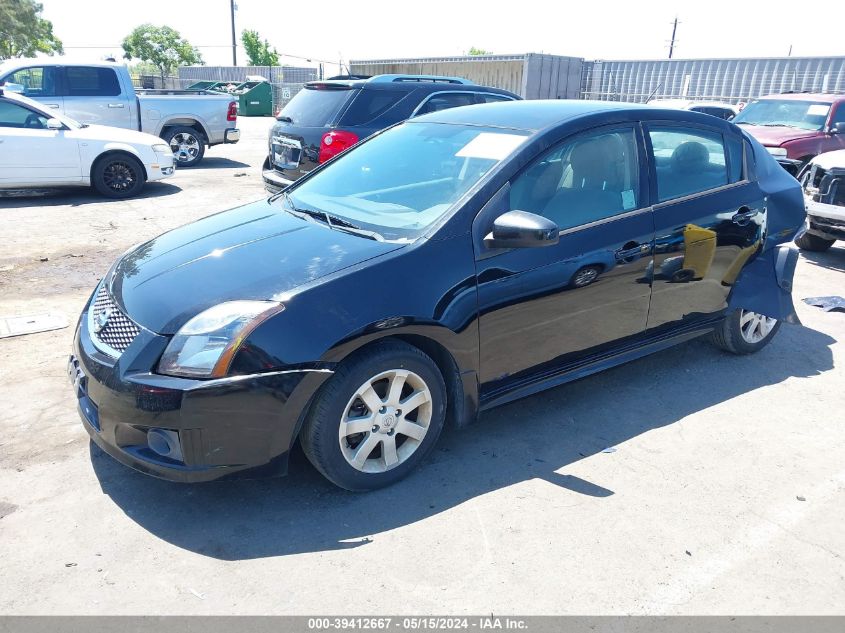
805 115
402 181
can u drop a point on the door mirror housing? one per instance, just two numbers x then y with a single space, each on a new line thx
521 229
54 124
838 128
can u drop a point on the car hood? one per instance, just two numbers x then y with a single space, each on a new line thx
256 252
116 135
775 136
831 160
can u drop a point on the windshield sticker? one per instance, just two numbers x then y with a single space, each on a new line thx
491 146
628 199
818 109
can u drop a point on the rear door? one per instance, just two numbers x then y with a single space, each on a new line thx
709 218
39 83
93 95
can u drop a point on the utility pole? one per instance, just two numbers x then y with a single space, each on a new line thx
235 42
672 43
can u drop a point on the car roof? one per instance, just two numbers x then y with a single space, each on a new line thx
806 96
540 114
25 62
407 83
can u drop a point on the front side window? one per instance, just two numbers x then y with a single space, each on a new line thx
14 115
36 82
687 161
402 181
804 115
589 178
85 81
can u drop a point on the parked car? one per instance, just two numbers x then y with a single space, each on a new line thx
407 282
102 93
719 109
327 117
795 127
823 180
42 148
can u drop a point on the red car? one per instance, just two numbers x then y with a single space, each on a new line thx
795 127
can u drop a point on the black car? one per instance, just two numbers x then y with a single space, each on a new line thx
327 117
426 275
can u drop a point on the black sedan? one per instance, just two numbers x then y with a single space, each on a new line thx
449 264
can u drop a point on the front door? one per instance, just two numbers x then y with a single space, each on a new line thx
31 154
542 309
709 218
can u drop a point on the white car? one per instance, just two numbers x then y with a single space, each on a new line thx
823 180
718 109
40 148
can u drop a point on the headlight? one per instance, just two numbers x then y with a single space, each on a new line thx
162 148
205 345
779 152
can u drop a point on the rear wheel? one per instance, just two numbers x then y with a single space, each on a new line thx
810 242
118 176
377 418
745 332
187 145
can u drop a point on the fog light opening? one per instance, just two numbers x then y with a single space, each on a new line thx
165 443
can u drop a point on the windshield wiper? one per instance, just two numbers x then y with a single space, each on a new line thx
333 221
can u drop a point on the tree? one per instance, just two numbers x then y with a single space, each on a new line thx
258 51
161 46
479 51
23 32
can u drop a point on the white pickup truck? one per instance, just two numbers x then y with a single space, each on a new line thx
101 93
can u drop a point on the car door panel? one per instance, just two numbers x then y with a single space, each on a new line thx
537 312
704 239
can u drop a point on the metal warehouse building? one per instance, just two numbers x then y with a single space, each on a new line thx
536 76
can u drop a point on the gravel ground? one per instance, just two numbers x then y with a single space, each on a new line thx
725 494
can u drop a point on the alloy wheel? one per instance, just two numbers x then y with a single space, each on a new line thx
119 176
755 327
185 147
385 421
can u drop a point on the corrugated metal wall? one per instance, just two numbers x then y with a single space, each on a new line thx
732 80
500 71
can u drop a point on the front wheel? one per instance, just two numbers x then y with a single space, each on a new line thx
377 418
118 176
745 332
810 242
187 145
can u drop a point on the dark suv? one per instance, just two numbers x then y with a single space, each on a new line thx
327 117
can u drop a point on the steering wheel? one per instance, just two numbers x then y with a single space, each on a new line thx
33 121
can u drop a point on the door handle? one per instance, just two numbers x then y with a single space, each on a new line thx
627 254
744 216
115 105
55 106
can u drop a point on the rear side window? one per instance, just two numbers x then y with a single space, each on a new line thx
446 100
37 82
687 161
371 104
316 107
735 161
492 98
84 81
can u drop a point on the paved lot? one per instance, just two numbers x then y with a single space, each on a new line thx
725 494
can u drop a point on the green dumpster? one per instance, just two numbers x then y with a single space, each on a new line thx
201 85
255 98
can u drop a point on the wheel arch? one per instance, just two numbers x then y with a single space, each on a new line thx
190 122
111 151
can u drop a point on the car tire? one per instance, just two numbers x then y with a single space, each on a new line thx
745 332
187 145
814 243
118 176
362 447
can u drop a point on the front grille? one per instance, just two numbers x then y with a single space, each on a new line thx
119 331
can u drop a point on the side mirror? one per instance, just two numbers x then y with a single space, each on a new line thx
521 229
838 128
54 124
